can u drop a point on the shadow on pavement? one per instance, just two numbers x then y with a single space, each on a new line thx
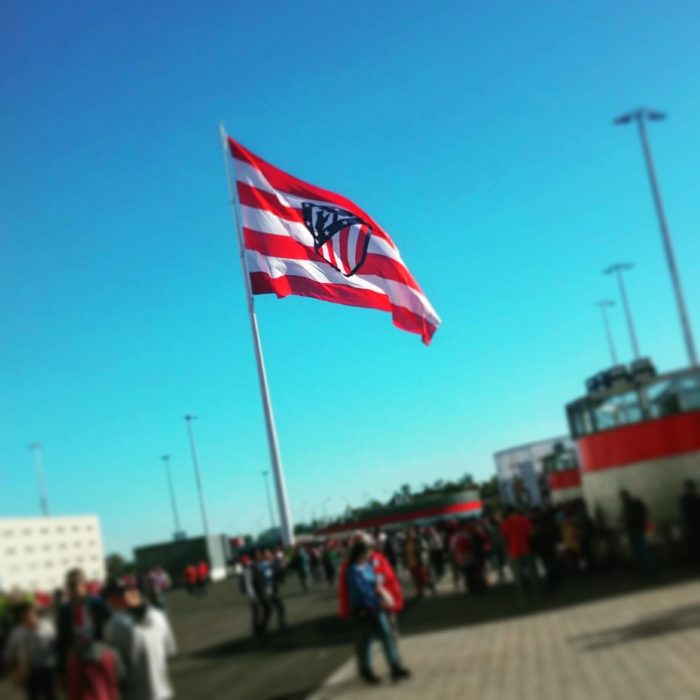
669 622
502 602
322 631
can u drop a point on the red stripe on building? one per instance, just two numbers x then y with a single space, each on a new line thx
292 185
422 514
565 479
403 318
640 442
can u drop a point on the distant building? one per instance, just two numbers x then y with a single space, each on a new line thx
520 471
215 550
36 553
424 510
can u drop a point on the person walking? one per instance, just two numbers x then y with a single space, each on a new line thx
436 553
369 603
189 576
416 551
250 585
301 564
202 577
329 564
30 657
270 579
545 536
142 636
87 668
516 529
635 516
689 507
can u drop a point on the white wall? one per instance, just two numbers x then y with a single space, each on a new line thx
36 553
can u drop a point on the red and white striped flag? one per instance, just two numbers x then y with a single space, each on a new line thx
301 239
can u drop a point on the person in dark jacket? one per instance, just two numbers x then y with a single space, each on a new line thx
635 516
86 667
690 520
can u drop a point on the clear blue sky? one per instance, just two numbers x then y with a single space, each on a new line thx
478 134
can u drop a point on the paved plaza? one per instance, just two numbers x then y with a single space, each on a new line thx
640 645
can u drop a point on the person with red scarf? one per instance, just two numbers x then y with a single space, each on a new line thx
386 576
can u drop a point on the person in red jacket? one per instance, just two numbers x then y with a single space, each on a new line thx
190 577
202 577
517 530
390 586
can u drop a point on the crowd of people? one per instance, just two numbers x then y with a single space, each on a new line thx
113 643
90 642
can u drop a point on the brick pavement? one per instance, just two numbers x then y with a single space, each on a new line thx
640 645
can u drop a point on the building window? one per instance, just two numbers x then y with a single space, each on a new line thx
10 551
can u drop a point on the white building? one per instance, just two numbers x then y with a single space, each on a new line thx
36 553
520 470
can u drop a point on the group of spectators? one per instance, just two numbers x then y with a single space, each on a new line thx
91 644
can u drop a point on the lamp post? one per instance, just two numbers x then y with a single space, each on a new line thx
270 509
617 269
171 488
641 116
35 447
197 475
604 305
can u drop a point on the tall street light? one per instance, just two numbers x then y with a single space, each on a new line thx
641 116
171 488
604 305
617 269
270 509
35 447
197 475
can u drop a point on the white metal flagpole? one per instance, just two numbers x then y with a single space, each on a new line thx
285 515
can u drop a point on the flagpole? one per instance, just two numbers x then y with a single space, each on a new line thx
285 515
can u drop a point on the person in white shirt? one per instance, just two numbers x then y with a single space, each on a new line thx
30 656
142 636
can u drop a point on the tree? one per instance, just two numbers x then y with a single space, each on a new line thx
116 566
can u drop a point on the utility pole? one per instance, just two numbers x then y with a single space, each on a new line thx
604 305
36 447
641 116
197 475
171 488
617 269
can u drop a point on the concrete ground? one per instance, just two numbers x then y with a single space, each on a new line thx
603 636
644 644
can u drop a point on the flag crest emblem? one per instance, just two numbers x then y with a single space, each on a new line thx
340 237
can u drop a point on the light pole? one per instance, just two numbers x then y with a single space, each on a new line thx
604 304
35 447
198 478
641 116
171 488
269 499
617 269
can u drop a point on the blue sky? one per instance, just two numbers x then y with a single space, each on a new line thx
479 136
